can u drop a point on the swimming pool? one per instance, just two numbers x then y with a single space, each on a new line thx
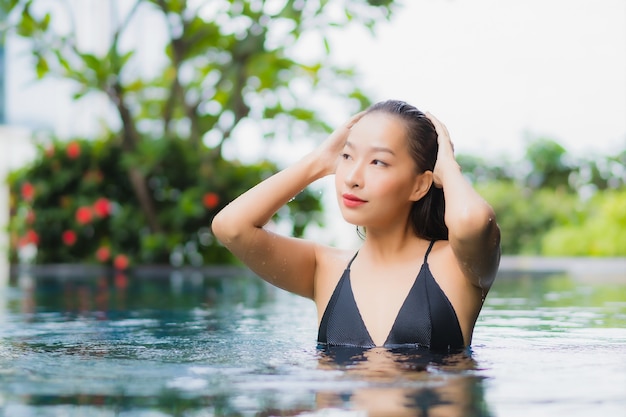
190 345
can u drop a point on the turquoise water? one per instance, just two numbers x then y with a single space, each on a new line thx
546 345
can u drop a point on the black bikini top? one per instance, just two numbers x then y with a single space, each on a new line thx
426 318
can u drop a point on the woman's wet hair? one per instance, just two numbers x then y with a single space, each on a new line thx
427 214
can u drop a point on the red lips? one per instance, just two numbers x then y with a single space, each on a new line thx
350 200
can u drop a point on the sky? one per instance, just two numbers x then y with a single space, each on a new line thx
497 72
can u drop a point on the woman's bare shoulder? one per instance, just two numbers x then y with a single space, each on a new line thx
443 262
331 262
330 256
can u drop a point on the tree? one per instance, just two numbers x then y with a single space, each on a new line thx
601 231
548 164
558 205
224 61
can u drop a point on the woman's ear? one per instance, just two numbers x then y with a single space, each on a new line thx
423 182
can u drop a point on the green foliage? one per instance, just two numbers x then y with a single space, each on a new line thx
600 232
477 170
548 165
525 215
223 62
552 204
76 204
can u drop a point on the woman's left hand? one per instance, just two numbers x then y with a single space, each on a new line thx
445 154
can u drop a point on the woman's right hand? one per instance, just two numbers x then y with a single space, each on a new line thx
328 152
285 262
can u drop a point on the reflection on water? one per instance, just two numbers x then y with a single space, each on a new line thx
197 346
405 382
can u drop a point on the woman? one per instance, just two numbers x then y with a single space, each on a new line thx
393 165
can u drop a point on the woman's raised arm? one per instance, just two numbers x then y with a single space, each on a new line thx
473 233
285 262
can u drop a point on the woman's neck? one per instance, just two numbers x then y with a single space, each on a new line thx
390 245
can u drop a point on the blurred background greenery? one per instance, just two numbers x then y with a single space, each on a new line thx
550 203
144 192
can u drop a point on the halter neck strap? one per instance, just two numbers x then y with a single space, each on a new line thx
432 242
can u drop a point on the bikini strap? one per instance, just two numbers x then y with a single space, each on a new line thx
432 242
350 263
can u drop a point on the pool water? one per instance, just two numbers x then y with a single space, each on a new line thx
190 345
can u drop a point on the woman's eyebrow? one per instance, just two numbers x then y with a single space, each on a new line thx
373 148
382 149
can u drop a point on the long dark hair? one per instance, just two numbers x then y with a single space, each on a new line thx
427 214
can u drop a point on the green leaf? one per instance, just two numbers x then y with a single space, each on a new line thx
6 6
326 45
27 25
125 58
92 62
41 67
63 62
45 23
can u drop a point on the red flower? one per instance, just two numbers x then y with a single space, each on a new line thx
33 237
28 191
103 253
121 262
73 150
84 215
69 237
102 207
30 237
210 200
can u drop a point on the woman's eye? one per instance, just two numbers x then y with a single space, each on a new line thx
378 162
345 156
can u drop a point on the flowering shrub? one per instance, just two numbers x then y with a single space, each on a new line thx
75 204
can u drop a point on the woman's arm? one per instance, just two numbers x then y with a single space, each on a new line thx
473 233
286 262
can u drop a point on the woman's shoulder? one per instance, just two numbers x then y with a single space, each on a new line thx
331 264
332 257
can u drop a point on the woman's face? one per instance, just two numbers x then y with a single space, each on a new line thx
376 179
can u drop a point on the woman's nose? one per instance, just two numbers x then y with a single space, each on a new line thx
354 176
